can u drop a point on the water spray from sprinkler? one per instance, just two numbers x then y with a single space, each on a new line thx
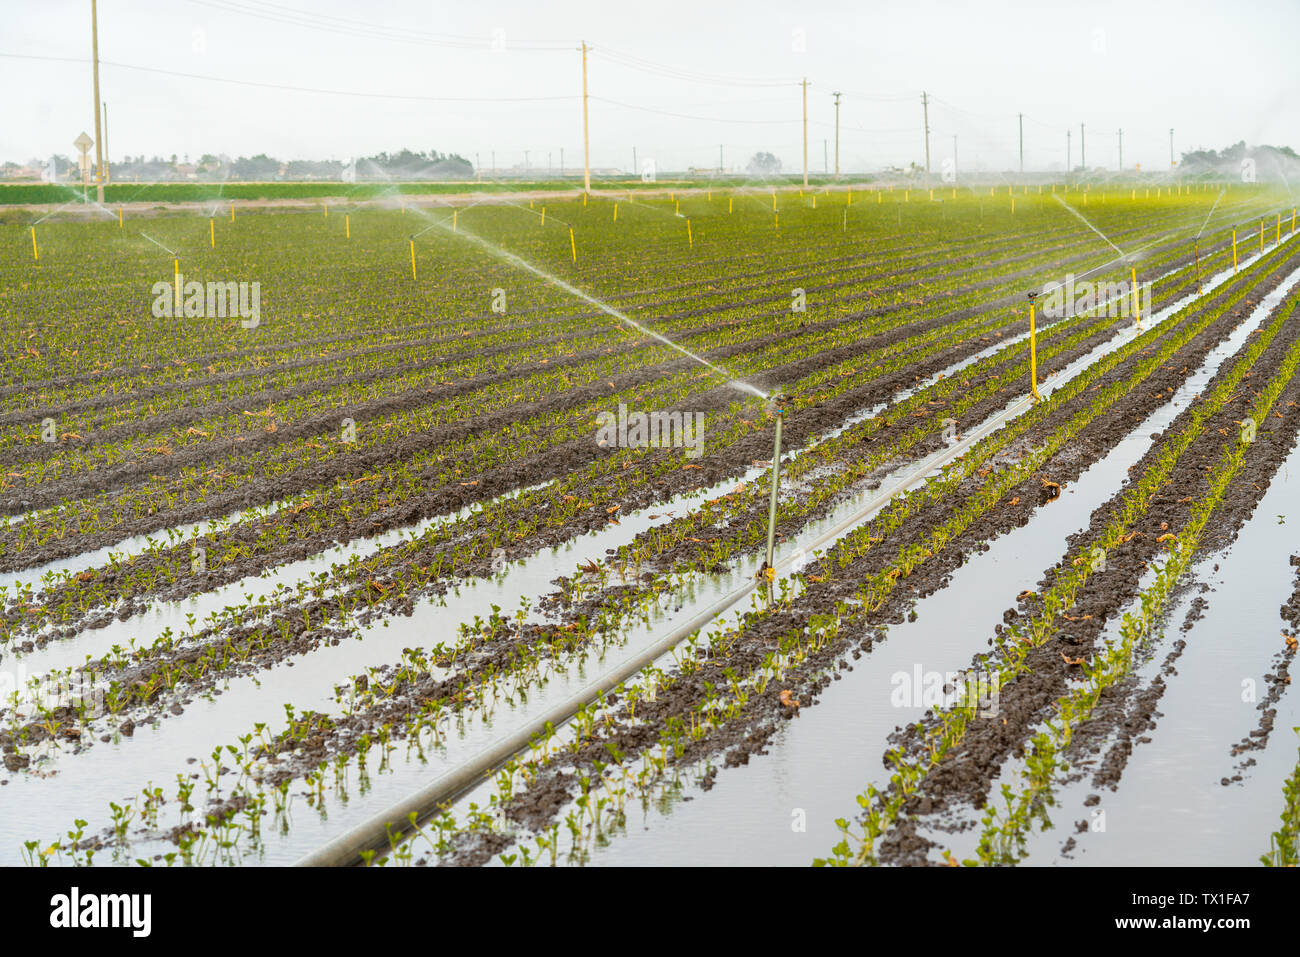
573 290
1083 219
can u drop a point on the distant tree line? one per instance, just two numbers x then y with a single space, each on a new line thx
405 164
1265 162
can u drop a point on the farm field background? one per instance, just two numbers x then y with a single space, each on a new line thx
265 575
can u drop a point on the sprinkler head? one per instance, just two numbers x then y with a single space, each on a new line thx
1032 295
778 401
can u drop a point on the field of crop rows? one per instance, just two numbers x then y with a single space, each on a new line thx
387 568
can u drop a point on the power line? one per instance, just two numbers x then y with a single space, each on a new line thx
687 116
295 89
858 95
276 13
650 66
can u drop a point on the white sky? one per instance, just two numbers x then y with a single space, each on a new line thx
1216 72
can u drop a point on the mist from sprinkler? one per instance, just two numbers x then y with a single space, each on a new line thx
518 261
1083 219
77 199
170 252
1210 213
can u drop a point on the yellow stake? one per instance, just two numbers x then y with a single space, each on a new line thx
1013 206
413 276
347 226
212 232
616 212
1234 252
776 220
1279 229
36 253
573 246
814 200
954 193
232 212
878 197
690 240
710 196
932 196
543 215
773 200
907 193
1135 195
584 199
850 202
327 210
119 216
178 286
730 201
677 206
1033 357
1137 303
1261 235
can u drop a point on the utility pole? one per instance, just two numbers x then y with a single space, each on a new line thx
99 143
837 136
107 170
804 84
1083 150
925 110
1022 143
636 170
1121 151
1171 148
586 142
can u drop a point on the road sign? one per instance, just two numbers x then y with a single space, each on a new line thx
84 143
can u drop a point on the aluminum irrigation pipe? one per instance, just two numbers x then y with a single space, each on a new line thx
373 833
769 565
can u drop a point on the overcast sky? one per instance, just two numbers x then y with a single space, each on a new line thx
672 79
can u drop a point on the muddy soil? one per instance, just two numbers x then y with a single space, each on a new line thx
963 778
741 738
